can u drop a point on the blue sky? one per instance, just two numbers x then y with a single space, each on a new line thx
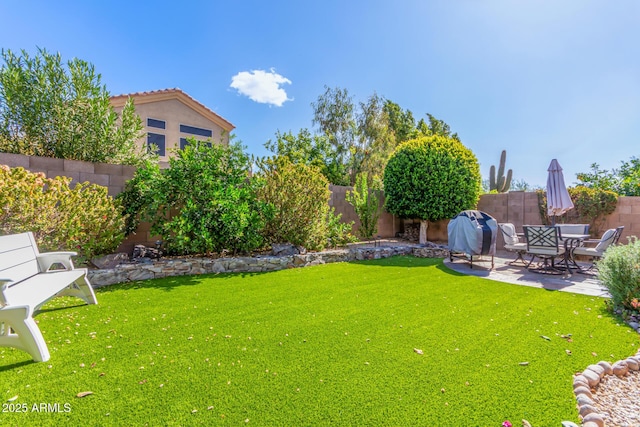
542 79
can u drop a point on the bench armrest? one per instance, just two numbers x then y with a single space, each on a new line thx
47 259
4 284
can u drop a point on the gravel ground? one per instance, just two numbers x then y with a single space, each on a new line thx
618 400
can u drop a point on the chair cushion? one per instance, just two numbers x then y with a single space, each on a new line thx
583 250
509 234
518 247
606 240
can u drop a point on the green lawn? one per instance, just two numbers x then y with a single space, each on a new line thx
327 345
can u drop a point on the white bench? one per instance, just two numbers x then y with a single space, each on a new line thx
26 283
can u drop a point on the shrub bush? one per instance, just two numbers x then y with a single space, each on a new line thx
338 232
619 271
591 206
431 178
366 202
300 196
84 219
203 203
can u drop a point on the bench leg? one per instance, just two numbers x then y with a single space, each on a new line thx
26 335
82 289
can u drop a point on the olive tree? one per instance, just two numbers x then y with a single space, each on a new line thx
51 108
431 178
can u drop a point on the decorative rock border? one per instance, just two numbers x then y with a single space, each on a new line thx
585 383
190 266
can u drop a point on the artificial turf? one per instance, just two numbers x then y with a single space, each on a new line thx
399 341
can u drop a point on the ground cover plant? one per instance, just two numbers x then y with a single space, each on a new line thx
399 341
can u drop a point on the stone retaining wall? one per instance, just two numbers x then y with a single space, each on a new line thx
190 266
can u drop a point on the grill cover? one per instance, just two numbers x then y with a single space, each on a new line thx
473 232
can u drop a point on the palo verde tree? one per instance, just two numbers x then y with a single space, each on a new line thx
624 181
360 136
431 178
52 109
363 136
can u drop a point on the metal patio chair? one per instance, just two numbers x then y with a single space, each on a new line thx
512 242
544 242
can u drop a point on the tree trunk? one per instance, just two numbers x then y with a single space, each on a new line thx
423 231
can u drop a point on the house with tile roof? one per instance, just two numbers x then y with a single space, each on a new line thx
170 116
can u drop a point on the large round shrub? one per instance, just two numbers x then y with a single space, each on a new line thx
300 196
431 178
203 203
619 271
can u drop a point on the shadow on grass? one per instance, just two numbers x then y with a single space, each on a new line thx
77 303
17 365
401 261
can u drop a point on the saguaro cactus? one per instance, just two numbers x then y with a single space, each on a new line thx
500 183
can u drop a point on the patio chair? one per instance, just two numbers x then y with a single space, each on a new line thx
512 242
619 231
610 237
543 243
573 229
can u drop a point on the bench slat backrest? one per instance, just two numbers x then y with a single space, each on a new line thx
18 256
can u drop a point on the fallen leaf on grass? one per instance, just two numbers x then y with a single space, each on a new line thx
545 337
12 399
568 352
84 393
417 350
523 363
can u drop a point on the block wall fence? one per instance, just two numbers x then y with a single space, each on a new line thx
517 207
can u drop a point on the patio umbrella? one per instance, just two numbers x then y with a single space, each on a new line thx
558 200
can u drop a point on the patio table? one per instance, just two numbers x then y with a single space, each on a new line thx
572 241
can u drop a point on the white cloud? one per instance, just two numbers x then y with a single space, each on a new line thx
261 86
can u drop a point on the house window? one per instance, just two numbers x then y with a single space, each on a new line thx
196 131
153 123
184 143
157 140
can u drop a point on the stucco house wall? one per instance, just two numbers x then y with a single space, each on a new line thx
170 115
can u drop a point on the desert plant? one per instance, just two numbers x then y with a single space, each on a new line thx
84 218
431 178
619 271
499 182
299 195
365 200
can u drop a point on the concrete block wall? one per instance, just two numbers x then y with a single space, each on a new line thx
627 213
388 225
517 207
111 176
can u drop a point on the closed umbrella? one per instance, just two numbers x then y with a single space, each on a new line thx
558 200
